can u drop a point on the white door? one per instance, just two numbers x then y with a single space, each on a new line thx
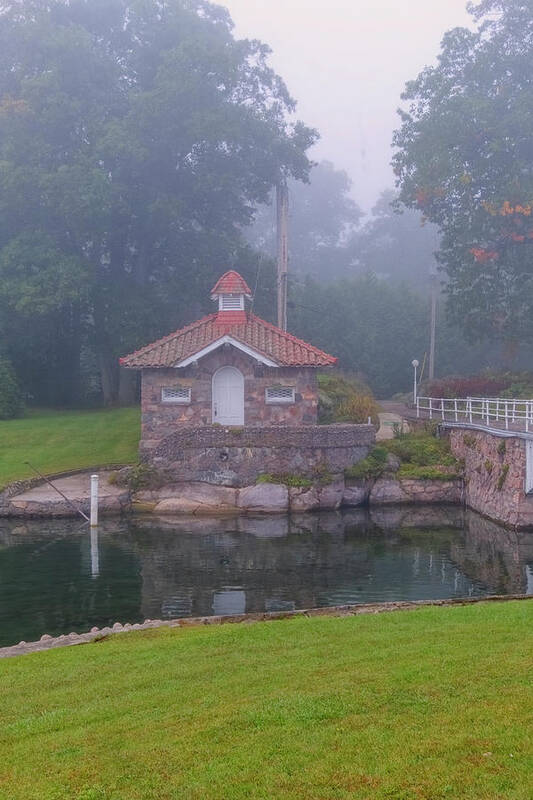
228 396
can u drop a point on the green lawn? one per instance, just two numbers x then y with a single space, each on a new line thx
421 705
56 441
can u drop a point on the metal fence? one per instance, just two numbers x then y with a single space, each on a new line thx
501 412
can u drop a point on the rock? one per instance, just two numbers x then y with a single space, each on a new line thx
117 626
94 630
270 498
408 490
46 637
393 463
387 490
197 498
330 496
356 494
303 499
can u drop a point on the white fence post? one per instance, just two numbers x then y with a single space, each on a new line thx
94 501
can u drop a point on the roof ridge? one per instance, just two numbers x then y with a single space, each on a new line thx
179 332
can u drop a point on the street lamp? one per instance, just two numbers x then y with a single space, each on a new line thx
414 364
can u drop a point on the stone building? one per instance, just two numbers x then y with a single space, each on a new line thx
230 368
231 397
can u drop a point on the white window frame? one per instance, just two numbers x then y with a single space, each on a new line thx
286 396
182 395
231 302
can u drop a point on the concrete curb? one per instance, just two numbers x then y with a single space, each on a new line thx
49 643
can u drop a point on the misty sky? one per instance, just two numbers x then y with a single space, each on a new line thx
346 63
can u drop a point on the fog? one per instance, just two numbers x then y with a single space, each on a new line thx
346 64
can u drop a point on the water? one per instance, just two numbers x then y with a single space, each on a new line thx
57 577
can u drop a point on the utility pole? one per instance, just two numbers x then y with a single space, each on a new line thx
433 322
282 203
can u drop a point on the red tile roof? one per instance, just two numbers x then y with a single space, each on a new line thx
263 337
231 283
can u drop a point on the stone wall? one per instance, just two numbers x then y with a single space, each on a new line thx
237 456
495 472
160 419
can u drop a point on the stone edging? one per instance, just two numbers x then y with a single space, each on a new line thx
18 487
49 643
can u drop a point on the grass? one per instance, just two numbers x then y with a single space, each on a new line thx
421 455
421 705
57 441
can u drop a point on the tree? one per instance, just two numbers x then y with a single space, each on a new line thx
395 244
136 139
465 159
322 216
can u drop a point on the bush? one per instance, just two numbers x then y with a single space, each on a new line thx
421 456
370 467
473 386
345 399
11 401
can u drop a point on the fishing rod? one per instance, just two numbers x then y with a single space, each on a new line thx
78 510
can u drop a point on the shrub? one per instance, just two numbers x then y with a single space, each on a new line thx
345 399
421 449
11 401
433 473
473 386
370 467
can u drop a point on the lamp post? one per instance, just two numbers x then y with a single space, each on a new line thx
414 364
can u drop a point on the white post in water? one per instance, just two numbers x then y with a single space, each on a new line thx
95 556
94 501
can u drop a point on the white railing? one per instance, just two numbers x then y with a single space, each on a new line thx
504 412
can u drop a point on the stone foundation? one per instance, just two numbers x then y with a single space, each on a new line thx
238 456
495 473
202 499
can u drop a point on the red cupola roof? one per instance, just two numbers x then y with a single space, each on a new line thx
234 325
231 283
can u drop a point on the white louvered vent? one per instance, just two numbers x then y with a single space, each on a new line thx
279 394
231 302
179 395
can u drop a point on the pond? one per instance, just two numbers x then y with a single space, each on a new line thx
57 576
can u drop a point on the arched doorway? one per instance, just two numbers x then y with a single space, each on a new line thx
228 396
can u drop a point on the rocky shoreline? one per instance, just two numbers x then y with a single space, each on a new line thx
205 499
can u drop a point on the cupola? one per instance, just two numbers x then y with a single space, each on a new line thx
231 290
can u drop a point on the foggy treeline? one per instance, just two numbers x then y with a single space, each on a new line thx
139 146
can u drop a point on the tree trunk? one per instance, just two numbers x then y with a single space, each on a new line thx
128 391
109 378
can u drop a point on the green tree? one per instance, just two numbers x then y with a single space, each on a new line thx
464 158
136 139
395 244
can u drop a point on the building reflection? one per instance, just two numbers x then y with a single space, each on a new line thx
56 576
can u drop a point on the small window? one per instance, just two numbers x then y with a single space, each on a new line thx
231 302
279 394
178 395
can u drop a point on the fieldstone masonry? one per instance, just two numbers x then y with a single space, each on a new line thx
238 456
495 472
159 419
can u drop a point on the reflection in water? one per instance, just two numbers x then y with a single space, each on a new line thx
56 577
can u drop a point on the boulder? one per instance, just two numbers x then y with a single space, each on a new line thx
197 498
356 494
303 499
330 496
272 498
